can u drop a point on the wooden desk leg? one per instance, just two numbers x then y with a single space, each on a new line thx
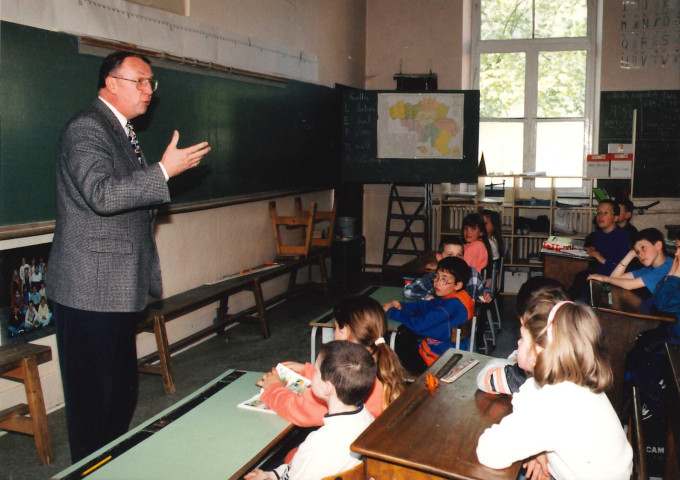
261 307
292 280
324 275
222 314
36 407
164 354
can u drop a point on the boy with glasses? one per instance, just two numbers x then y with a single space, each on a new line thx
423 288
610 243
427 326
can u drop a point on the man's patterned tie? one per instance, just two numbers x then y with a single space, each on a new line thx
132 136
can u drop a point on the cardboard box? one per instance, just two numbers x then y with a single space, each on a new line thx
597 166
621 165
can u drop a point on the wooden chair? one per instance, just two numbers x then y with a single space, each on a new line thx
356 473
318 217
303 220
637 439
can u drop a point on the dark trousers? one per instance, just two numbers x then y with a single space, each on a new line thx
406 347
98 361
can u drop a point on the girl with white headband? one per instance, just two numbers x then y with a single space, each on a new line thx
562 422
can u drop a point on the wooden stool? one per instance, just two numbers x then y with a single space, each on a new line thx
19 362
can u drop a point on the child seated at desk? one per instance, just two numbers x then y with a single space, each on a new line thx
427 326
504 376
610 243
477 251
648 248
647 363
359 320
492 222
423 288
561 420
344 375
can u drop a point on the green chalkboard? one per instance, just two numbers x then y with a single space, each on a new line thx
657 138
360 161
264 138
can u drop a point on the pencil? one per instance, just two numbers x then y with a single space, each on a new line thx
95 466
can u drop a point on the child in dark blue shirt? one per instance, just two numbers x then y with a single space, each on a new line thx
610 243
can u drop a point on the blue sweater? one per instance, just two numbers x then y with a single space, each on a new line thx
435 320
613 246
667 298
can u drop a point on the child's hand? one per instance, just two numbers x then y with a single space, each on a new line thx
431 267
392 304
269 379
595 254
429 297
537 467
297 367
597 277
258 474
675 268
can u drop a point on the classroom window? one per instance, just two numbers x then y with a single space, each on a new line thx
535 71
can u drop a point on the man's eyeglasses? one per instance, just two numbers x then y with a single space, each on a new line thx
142 83
441 280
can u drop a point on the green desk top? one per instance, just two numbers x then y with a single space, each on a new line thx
198 437
381 294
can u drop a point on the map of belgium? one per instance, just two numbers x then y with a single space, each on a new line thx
428 119
420 125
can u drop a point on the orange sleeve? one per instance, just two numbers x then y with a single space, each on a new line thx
304 410
374 402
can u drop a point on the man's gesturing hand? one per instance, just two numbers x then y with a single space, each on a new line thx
176 160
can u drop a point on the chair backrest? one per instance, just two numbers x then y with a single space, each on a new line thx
497 276
304 221
466 330
320 216
356 473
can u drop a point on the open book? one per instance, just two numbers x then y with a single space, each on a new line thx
295 382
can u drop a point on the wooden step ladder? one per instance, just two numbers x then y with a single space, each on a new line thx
408 221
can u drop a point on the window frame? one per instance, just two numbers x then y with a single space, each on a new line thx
531 48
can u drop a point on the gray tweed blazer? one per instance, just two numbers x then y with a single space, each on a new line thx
104 256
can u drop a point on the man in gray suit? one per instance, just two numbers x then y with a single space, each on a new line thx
104 262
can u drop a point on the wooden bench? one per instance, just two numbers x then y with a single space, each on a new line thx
19 362
158 313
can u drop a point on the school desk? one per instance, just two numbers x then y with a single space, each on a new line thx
426 436
629 313
564 266
203 436
325 321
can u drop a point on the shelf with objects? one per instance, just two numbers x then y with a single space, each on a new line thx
532 208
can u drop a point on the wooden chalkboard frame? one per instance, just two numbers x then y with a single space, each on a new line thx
657 137
360 152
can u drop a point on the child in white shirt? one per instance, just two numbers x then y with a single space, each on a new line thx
343 378
562 422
